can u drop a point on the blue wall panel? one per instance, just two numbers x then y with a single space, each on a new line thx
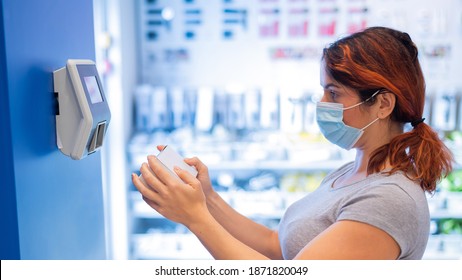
9 238
59 201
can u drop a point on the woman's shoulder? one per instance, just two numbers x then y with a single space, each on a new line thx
396 187
400 180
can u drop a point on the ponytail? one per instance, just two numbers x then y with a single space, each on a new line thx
419 153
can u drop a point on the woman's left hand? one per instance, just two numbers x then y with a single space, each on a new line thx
181 201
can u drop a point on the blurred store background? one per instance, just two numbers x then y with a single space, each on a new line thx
233 82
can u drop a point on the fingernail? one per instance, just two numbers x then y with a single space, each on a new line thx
176 169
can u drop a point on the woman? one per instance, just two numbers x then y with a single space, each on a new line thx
372 208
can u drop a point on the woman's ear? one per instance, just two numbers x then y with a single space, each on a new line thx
386 102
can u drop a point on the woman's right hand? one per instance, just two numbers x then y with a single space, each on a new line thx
202 172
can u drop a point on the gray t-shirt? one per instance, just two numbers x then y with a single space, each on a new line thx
392 203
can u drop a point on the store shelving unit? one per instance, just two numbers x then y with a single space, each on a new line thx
175 54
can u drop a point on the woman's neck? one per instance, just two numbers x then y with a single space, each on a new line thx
380 138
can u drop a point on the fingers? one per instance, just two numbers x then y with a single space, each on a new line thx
163 174
194 161
145 191
152 203
152 181
159 178
161 147
186 177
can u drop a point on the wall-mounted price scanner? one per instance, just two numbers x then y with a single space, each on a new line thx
83 115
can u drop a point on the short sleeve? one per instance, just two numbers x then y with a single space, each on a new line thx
389 208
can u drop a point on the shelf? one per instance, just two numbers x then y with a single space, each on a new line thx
268 205
279 166
169 246
445 214
283 155
283 166
444 247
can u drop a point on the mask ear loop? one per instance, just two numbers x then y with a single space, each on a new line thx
377 92
356 105
364 128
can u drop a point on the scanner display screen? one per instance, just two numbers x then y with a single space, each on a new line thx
93 89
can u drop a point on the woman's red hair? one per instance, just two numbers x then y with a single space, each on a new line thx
387 59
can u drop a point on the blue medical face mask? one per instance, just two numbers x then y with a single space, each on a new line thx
329 116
